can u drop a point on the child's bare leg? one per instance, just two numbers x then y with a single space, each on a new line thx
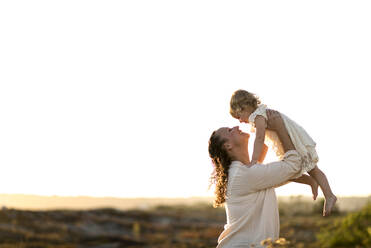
330 198
305 179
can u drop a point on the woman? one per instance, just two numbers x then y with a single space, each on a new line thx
248 190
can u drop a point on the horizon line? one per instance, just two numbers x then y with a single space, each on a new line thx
160 197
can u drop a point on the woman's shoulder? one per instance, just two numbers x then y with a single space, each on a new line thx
238 166
236 163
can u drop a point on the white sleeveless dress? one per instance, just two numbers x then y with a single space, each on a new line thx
303 143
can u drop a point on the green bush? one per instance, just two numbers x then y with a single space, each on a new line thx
354 230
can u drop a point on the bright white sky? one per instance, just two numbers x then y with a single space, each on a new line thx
119 98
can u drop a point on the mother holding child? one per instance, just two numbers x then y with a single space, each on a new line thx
247 186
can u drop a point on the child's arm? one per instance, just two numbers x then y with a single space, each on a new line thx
260 125
263 154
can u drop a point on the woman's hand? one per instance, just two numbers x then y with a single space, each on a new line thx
274 118
275 123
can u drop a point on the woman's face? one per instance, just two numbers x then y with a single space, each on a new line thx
234 136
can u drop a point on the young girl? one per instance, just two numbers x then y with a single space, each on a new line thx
246 107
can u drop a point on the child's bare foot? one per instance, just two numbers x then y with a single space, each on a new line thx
314 186
328 205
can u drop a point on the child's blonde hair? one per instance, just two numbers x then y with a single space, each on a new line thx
240 100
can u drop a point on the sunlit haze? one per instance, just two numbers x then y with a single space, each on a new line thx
119 98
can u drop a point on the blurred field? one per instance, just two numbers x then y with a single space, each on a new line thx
196 226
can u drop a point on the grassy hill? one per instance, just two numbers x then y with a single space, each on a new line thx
165 226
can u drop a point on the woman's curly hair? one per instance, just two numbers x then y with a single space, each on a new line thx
240 100
221 162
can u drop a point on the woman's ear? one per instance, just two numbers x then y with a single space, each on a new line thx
227 146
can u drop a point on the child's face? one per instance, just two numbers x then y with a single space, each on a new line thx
245 114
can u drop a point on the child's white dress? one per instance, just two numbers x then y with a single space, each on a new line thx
303 143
